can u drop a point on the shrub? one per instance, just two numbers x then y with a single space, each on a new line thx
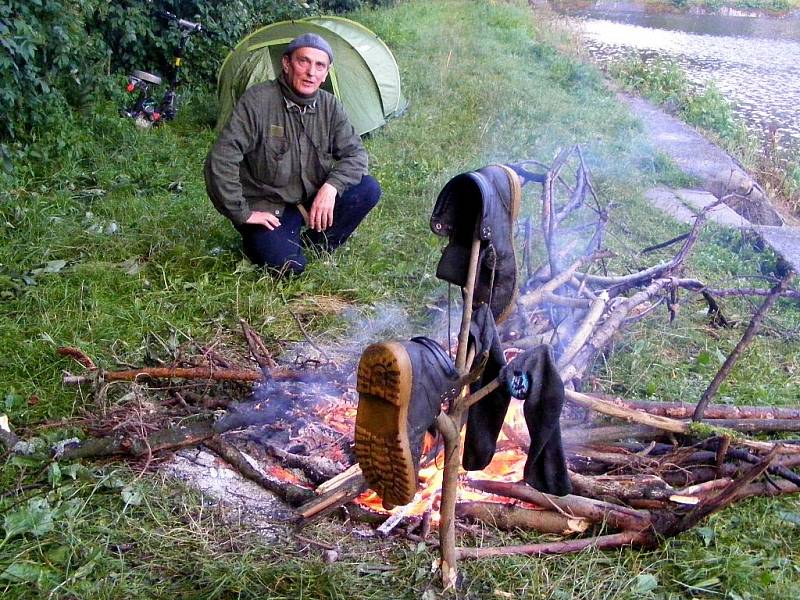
59 55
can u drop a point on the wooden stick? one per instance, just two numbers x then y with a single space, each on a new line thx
166 373
711 505
609 328
79 355
696 286
619 517
684 410
621 487
601 542
340 479
450 426
534 298
508 517
663 423
747 338
257 347
585 330
188 434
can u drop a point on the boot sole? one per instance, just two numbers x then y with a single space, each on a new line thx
382 447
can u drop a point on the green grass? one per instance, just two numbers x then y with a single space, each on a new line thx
486 83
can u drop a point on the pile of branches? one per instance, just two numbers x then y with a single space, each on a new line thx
659 472
695 458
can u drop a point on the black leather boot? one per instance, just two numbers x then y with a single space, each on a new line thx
482 203
400 389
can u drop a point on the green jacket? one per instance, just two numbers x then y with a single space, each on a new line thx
271 154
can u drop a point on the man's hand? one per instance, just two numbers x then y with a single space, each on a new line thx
267 219
321 215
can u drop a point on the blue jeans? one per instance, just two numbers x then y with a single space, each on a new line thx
280 249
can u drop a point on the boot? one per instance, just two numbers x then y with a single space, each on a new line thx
485 419
482 204
400 389
532 376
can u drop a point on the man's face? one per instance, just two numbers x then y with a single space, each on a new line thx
306 70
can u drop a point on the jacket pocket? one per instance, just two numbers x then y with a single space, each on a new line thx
277 161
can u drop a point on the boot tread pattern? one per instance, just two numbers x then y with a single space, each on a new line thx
381 439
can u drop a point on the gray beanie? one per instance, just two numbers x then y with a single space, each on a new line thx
309 40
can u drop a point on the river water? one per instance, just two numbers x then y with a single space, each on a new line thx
754 61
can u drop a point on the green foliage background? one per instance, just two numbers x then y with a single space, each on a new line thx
59 56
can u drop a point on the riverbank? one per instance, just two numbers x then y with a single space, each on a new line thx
694 68
114 248
739 8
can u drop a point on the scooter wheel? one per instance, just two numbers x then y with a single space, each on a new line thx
145 76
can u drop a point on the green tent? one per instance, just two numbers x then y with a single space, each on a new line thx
364 75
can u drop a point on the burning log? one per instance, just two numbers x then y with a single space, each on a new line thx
290 493
509 517
316 468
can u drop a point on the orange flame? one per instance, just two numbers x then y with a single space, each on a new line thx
507 463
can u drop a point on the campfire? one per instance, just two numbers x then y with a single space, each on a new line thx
640 471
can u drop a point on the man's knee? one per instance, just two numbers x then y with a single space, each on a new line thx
273 253
372 190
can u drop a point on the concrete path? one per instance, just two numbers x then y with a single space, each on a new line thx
746 206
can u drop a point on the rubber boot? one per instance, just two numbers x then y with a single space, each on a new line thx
481 204
400 389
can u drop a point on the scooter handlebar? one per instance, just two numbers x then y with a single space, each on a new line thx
189 26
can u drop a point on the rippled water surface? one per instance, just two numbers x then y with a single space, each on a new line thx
753 61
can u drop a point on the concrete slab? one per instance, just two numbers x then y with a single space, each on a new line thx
721 214
717 171
785 241
683 205
667 201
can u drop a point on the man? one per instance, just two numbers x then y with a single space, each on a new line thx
289 156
